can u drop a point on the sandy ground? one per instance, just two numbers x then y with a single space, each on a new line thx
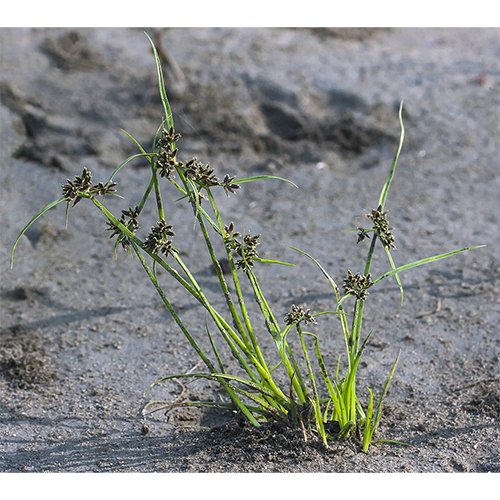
83 335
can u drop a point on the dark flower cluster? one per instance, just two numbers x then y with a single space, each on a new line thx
129 219
82 183
166 160
381 227
201 174
229 186
158 239
363 233
73 190
246 248
357 285
100 189
297 314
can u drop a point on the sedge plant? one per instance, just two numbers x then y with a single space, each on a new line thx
307 401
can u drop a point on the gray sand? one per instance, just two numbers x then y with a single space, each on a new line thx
83 335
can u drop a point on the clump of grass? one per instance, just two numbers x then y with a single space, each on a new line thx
255 391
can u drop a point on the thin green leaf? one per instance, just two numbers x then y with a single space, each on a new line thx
200 352
325 312
27 226
161 85
416 263
378 412
130 158
154 179
136 142
391 261
66 216
195 198
259 177
317 410
324 373
385 189
391 441
267 407
270 261
260 388
339 303
365 342
327 276
168 406
343 319
214 348
367 433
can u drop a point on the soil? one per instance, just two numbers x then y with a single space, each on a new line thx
84 335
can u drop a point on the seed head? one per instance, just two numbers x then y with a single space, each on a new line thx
157 240
381 227
297 314
201 174
132 224
363 233
100 189
229 186
246 248
73 190
81 184
230 234
166 161
357 285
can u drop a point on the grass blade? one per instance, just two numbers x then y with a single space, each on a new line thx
370 430
214 348
259 177
260 388
271 261
416 263
130 158
385 189
378 412
27 226
391 261
161 84
343 319
367 434
327 276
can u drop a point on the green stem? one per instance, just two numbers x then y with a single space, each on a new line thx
227 332
278 337
236 283
224 287
257 358
195 345
159 204
134 239
316 404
